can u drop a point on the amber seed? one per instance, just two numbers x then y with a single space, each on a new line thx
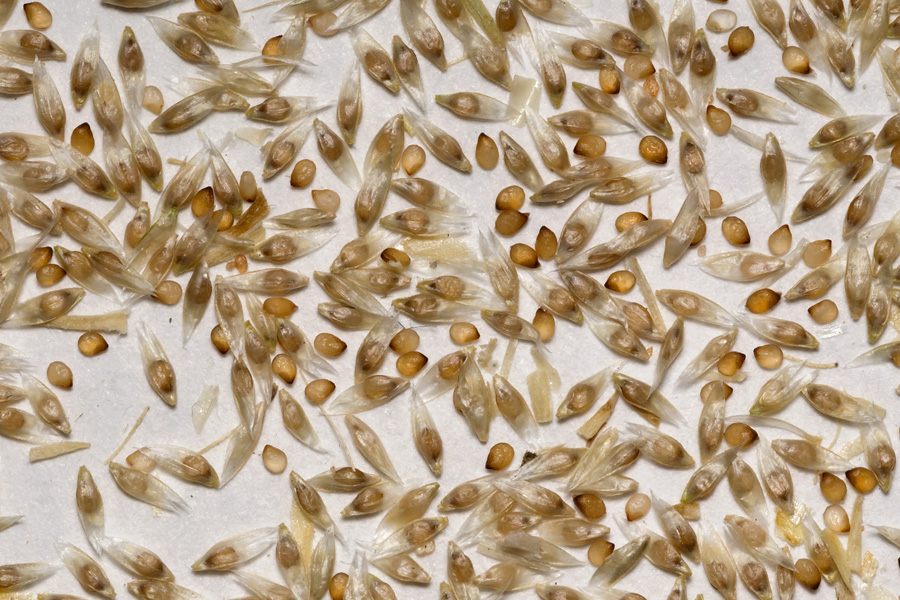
762 301
590 146
274 459
639 66
817 253
768 356
637 506
545 323
653 150
731 363
240 263
303 173
546 243
49 274
168 292
862 479
92 343
700 232
833 488
807 573
218 339
279 307
395 258
795 60
83 139
499 457
270 48
318 390
627 219
225 219
330 345
620 281
510 198
780 241
524 256
285 367
152 99
327 200
715 199
740 433
40 257
740 41
651 86
510 221
600 551
836 519
707 389
59 374
38 15
202 202
336 586
247 186
719 121
410 363
412 159
463 333
823 312
609 79
591 506
735 231
405 340
486 153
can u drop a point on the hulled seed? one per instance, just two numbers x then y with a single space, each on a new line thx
740 41
49 274
202 202
721 20
609 79
225 219
590 146
823 312
731 363
762 301
303 173
795 60
545 323
405 340
83 139
719 121
807 573
270 48
836 519
740 433
637 506
337 585
395 258
735 231
817 253
486 153
274 459
620 281
218 339
318 390
38 15
168 292
412 159
524 256
247 186
510 221
499 457
330 345
780 241
327 200
546 243
92 343
715 199
285 367
591 506
152 99
627 219
59 374
510 198
279 307
653 150
832 487
463 333
862 479
639 66
410 363
600 551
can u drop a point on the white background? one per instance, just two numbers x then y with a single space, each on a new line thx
110 390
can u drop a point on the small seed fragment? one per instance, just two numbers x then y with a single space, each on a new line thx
330 345
49 274
218 339
303 173
412 159
795 60
285 367
83 139
38 15
545 323
327 200
463 333
318 390
499 457
546 243
410 363
740 41
862 479
486 152
279 307
719 121
510 198
168 292
637 506
817 253
823 312
731 363
337 585
836 519
639 66
627 219
152 99
92 343
833 488
591 506
653 150
524 256
620 281
762 301
735 231
780 241
509 222
740 433
247 186
590 146
609 79
59 374
807 574
274 459
405 340
600 551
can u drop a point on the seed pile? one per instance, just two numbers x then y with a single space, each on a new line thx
444 272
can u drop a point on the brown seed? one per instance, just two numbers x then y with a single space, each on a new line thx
499 457
768 356
591 506
152 99
762 301
410 363
336 586
202 202
524 256
740 41
832 487
627 219
715 199
92 344
817 253
600 551
509 222
590 146
735 231
719 121
330 345
40 257
49 274
327 200
168 292
247 186
653 150
270 48
740 433
405 340
412 159
836 519
285 367
823 312
731 363
609 79
620 281
225 219
862 479
807 574
318 390
795 60
280 307
639 66
274 459
780 241
700 232
546 243
395 258
486 152
83 139
545 324
463 333
218 339
651 85
303 173
59 374
637 506
510 198
38 15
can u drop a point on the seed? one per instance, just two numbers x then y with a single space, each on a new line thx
719 121
740 433
330 345
486 152
270 48
322 22
152 99
92 343
700 232
600 551
627 219
40 257
833 487
863 166
721 20
735 231
499 457
318 390
285 367
731 363
225 219
240 263
38 15
336 586
83 139
202 202
510 198
639 66
620 281
49 274
303 173
591 506
274 459
327 200
780 241
218 339
817 253
807 573
653 150
637 506
463 333
823 312
59 374
862 479
410 363
140 461
609 79
509 222
707 389
762 301
524 256
740 40
405 340
412 159
248 187
795 60
836 519
651 86
545 324
546 243
279 307
168 292
590 146
395 258
768 356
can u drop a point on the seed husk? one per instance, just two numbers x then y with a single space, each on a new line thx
545 323
735 231
862 479
609 79
780 241
38 15
637 506
719 121
639 66
303 174
524 256
280 307
510 221
740 433
486 152
707 389
499 457
92 343
274 459
740 41
832 487
49 274
168 292
731 363
591 506
463 333
510 198
700 232
762 301
546 243
59 374
836 519
330 345
327 200
627 219
795 60
410 363
807 574
285 367
817 253
247 186
653 150
218 339
620 281
152 99
823 312
318 390
590 146
83 139
600 551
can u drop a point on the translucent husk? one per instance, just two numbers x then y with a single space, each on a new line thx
136 559
662 449
236 550
146 488
705 479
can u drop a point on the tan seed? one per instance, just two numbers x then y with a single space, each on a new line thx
591 506
49 274
719 121
700 232
651 85
609 79
639 66
627 219
653 150
708 388
510 198
270 48
327 200
405 340
279 307
731 363
322 23
795 60
274 459
225 219
92 343
740 41
600 551
240 263
463 333
545 323
807 574
832 487
740 433
486 153
823 312
412 159
330 345
218 339
620 281
395 258
168 292
285 367
410 363
735 231
336 586
510 221
202 202
817 253
318 390
59 374
768 356
524 256
499 457
303 173
83 139
152 99
715 199
637 506
836 519
762 301
862 479
40 257
780 241
590 146
247 186
38 15
546 243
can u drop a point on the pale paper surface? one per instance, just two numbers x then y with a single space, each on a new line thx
110 390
